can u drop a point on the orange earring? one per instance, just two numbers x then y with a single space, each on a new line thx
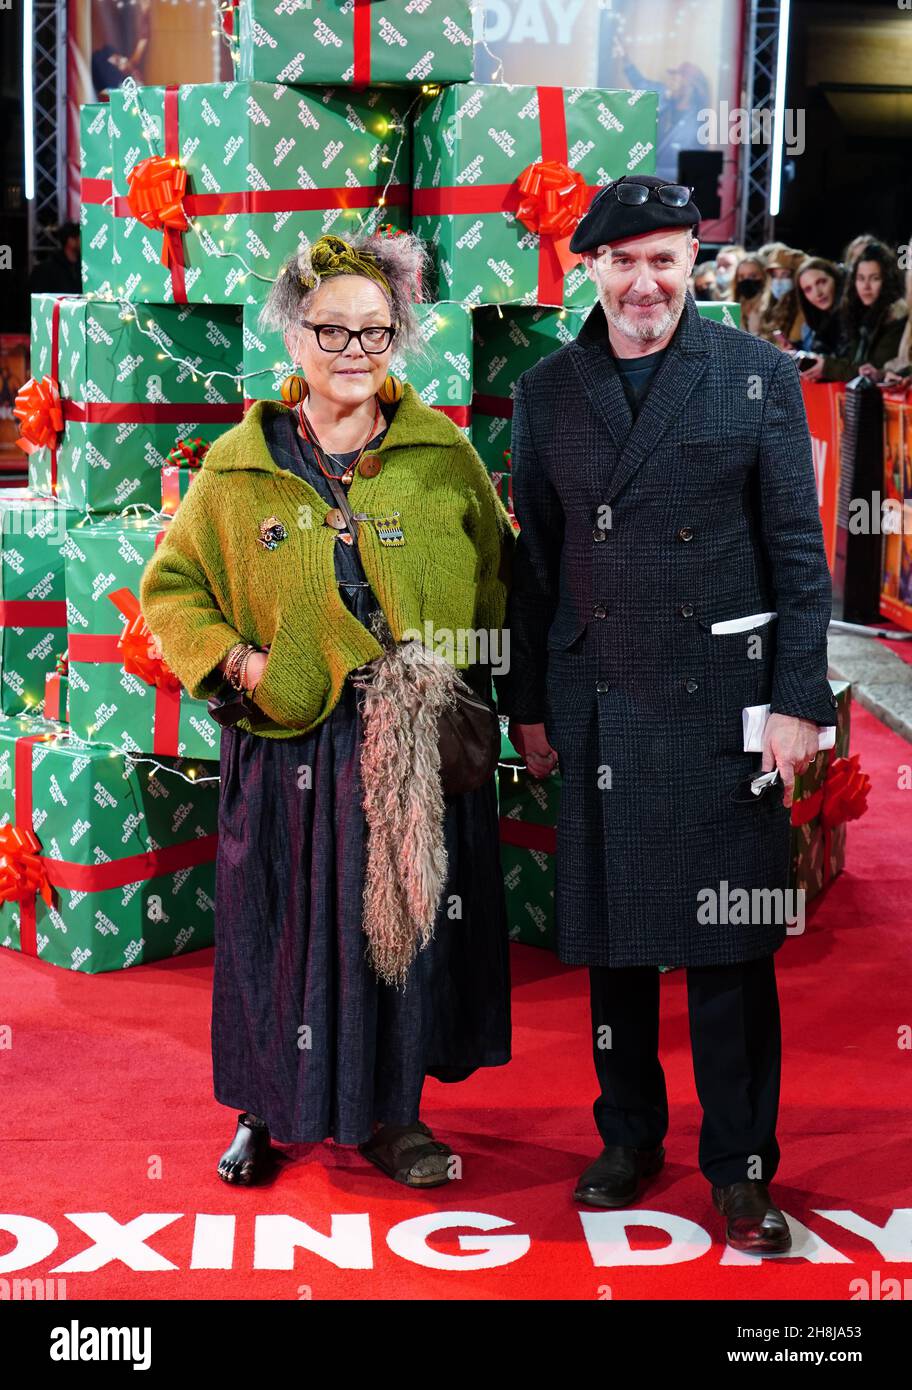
390 390
294 389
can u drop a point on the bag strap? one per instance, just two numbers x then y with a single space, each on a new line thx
345 508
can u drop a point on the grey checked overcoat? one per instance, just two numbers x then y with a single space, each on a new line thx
636 537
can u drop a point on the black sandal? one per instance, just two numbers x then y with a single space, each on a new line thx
398 1149
246 1169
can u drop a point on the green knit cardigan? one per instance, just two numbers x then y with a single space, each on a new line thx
211 583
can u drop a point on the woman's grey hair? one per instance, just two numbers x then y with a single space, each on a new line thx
402 259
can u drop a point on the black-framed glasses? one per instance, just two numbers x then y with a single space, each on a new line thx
673 195
333 337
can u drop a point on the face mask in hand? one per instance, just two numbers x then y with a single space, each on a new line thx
780 288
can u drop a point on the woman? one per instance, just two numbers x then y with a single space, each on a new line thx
727 261
342 978
780 319
704 281
748 291
898 370
819 288
872 317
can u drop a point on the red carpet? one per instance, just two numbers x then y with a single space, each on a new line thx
108 1118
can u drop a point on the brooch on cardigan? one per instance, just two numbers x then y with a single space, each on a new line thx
272 530
388 528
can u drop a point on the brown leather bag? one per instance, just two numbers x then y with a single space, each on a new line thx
468 732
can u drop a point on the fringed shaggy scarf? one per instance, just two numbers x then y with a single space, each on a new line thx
405 691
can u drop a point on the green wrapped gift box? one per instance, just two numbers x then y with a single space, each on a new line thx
528 815
478 201
356 41
506 343
33 620
96 216
107 863
442 377
129 391
122 695
818 847
243 172
722 311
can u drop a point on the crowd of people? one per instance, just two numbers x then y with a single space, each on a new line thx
839 319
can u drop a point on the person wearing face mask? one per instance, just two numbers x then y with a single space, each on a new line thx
748 291
727 260
781 319
704 281
872 317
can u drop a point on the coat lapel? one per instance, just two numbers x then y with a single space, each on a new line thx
682 367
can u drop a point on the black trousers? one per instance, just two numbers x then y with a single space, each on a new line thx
736 1048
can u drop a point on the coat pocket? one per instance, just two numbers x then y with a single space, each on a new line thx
738 672
564 631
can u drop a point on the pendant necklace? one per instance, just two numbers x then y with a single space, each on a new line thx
320 453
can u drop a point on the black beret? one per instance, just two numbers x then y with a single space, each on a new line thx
610 220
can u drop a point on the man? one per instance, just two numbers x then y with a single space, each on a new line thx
663 481
61 271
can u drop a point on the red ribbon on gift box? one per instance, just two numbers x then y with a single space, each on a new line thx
25 874
158 199
528 192
43 413
524 835
50 426
136 650
52 692
843 796
362 43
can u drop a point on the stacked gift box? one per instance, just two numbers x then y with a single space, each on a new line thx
832 792
342 118
108 857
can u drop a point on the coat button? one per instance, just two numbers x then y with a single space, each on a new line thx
335 517
687 610
600 611
685 534
602 687
370 465
690 686
599 533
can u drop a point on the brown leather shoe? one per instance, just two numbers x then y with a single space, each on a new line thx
614 1179
752 1222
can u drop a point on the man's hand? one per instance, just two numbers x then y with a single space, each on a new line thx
531 743
791 745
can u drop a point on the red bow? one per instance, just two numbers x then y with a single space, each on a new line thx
22 870
142 653
845 791
553 198
188 453
156 189
40 413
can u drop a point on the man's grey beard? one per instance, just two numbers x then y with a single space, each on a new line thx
645 332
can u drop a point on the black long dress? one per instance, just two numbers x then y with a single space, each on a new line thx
304 1034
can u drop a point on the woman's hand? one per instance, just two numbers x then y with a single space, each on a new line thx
531 743
869 370
815 371
256 664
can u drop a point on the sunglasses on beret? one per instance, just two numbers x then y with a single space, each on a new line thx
673 195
